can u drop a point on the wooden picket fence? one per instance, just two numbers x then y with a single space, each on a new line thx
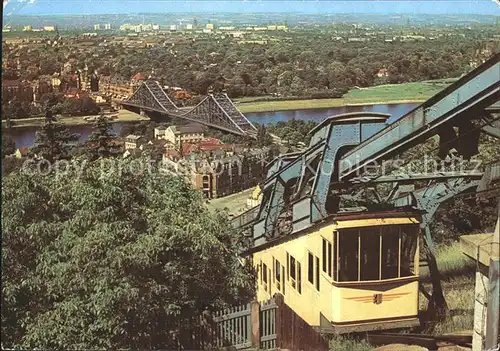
271 325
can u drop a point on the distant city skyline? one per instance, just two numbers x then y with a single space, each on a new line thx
97 7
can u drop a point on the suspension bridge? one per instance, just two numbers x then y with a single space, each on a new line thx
215 111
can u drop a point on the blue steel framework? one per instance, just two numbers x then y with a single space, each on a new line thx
334 175
216 110
305 188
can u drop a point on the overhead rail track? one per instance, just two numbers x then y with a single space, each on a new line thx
343 147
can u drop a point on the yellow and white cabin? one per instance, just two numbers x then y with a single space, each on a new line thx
351 273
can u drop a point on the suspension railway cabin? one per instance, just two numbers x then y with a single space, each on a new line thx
352 273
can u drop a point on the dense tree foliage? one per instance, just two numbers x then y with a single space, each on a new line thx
58 103
101 143
320 61
263 136
109 256
8 145
54 141
144 128
295 131
310 65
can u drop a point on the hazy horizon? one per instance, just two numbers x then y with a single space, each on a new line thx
112 7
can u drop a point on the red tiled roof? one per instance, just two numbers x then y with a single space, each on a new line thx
172 153
211 147
188 148
24 150
139 76
10 83
211 141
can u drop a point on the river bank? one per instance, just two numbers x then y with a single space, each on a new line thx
123 117
25 136
287 105
389 94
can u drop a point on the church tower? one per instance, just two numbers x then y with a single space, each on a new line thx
85 78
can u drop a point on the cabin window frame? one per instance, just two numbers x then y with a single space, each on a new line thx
314 269
283 284
265 277
294 274
406 255
293 270
317 275
259 272
299 277
327 257
277 274
310 267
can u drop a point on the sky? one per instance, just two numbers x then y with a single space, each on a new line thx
90 7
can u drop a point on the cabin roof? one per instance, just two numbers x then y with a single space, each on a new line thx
401 212
352 117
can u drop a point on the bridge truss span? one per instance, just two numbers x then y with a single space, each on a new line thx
216 110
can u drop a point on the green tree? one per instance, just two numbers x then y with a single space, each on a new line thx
10 164
8 145
88 106
54 141
112 258
263 137
101 142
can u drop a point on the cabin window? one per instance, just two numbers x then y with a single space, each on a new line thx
299 278
324 255
269 285
259 272
335 256
409 237
313 270
370 254
317 273
390 252
277 274
293 273
264 276
375 253
274 271
327 257
283 285
348 255
287 266
310 268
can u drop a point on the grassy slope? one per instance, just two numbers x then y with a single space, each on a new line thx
265 106
458 286
419 91
123 116
235 203
390 93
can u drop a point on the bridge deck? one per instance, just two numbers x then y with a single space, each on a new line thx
217 111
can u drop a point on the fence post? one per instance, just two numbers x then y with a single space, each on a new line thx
255 320
278 299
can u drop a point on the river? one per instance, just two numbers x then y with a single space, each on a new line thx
25 137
